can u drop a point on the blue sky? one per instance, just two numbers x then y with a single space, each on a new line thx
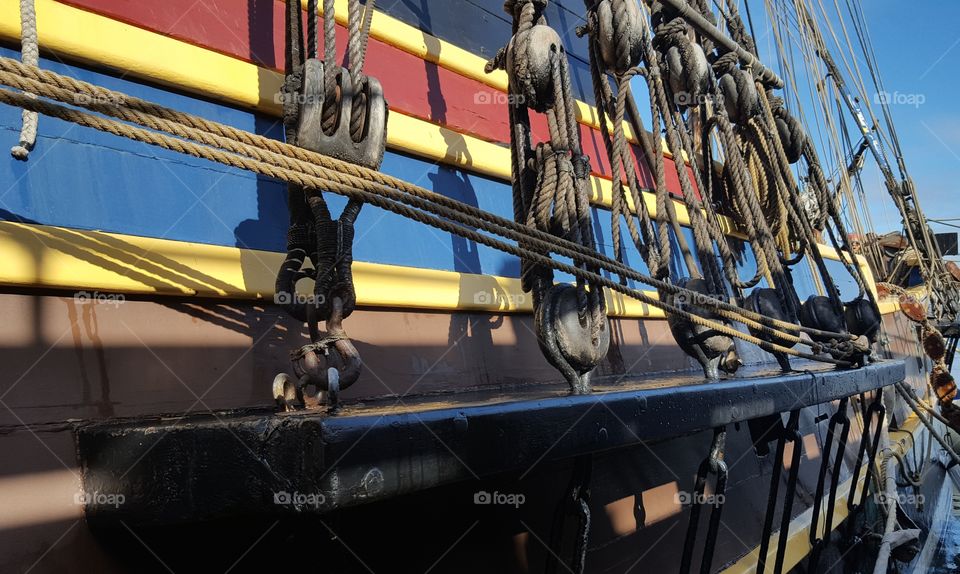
917 45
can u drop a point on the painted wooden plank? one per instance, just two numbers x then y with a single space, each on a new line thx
252 30
84 179
483 31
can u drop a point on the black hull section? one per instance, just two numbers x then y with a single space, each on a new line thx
397 475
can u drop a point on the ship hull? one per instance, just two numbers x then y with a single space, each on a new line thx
140 336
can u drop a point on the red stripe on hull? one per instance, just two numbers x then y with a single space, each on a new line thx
253 30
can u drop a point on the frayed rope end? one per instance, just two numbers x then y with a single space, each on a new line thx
20 152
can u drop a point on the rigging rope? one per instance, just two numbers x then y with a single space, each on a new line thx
313 233
30 55
549 192
616 28
293 164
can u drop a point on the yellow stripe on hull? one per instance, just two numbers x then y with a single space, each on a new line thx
76 260
70 259
90 38
798 541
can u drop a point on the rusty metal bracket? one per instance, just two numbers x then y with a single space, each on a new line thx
330 364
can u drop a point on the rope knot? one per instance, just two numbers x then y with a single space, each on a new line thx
672 33
738 91
581 166
726 63
20 152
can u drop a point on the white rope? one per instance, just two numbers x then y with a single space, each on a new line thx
30 55
889 488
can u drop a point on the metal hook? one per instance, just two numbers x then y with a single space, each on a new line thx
330 363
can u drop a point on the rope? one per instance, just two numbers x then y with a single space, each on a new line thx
313 233
359 27
655 249
673 124
915 404
890 502
555 199
330 69
30 54
799 221
65 89
352 181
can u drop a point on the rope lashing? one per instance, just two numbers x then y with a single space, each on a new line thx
737 88
669 32
550 193
679 143
780 298
822 312
30 55
792 134
713 351
297 165
745 182
616 31
688 71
